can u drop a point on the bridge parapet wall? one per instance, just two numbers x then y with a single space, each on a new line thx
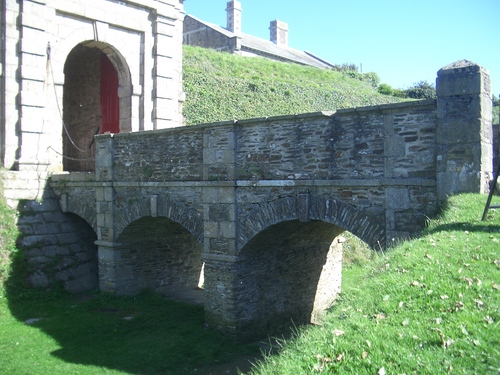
380 160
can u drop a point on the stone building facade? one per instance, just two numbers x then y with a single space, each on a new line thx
69 70
72 69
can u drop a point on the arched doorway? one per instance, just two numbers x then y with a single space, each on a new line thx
91 104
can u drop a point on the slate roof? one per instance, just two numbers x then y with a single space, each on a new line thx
266 47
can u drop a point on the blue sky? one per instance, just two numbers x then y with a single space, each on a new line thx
403 41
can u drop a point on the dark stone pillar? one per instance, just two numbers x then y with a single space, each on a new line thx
464 135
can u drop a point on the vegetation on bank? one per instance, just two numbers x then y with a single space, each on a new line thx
428 306
222 87
8 237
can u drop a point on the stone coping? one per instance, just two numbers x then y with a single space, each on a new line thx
251 183
303 116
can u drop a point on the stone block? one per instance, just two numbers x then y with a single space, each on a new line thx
227 229
394 146
211 229
210 195
397 198
460 78
39 280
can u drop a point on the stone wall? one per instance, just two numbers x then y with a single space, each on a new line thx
379 159
59 248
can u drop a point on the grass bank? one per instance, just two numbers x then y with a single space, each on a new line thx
221 87
428 306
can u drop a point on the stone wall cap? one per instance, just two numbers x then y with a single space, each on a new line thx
460 66
388 106
73 177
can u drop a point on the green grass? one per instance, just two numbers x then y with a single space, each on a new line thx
428 306
106 335
222 87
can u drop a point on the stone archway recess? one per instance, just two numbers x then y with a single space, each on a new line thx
87 66
304 207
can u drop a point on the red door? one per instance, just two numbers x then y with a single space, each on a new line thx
110 105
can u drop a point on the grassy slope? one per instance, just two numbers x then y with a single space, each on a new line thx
222 87
429 306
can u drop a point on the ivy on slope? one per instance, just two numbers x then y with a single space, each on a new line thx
221 87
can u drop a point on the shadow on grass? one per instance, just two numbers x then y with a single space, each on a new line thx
464 226
145 334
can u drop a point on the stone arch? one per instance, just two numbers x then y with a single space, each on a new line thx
288 274
78 268
352 219
160 255
305 207
82 206
82 100
289 265
160 206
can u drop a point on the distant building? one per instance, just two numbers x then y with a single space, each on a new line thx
231 39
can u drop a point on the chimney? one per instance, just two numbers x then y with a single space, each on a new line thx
279 33
233 11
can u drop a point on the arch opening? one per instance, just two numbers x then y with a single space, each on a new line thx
289 274
92 103
78 267
162 256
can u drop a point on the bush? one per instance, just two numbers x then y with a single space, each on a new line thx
421 90
371 78
385 89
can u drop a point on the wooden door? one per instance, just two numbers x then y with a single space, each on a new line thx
110 104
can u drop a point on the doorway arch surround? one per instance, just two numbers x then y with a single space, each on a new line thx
97 89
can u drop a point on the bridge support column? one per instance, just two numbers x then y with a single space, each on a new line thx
464 134
114 274
219 220
221 297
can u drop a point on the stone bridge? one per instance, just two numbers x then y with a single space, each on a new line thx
254 209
